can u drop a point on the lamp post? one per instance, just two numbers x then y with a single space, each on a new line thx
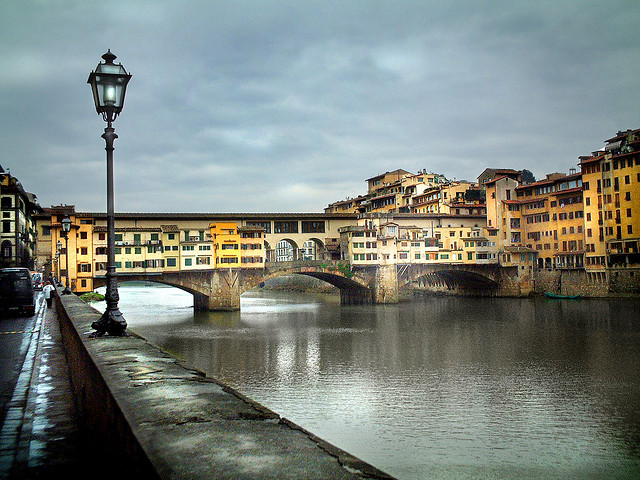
58 272
109 84
66 228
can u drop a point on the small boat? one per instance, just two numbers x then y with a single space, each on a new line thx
562 297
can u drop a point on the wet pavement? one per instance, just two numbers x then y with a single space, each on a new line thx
40 435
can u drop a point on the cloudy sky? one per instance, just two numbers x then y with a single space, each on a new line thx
286 106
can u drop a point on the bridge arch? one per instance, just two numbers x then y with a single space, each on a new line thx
467 279
122 279
353 291
314 248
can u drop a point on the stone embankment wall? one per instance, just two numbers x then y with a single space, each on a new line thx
625 281
155 418
615 283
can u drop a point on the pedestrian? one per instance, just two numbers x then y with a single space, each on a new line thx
48 290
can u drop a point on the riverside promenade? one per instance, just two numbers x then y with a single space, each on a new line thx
140 413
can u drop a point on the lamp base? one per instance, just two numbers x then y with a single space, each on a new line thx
111 322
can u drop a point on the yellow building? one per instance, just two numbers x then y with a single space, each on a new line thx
252 252
611 180
171 247
551 220
226 244
82 229
61 249
503 211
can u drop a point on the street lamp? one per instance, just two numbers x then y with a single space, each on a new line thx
109 84
66 228
58 272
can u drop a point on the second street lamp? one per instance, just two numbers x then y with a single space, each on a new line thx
66 228
109 84
58 267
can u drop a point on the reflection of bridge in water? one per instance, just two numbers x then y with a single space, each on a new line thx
220 289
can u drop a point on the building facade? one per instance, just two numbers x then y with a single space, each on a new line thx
17 232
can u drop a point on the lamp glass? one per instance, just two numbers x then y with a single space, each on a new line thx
109 84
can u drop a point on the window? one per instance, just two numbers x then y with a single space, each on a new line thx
187 262
83 251
229 246
285 227
154 237
171 236
629 229
127 250
265 225
118 237
138 250
83 235
171 262
46 230
102 236
312 227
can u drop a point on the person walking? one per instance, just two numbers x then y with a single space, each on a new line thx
48 290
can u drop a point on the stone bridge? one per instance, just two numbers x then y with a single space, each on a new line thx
467 279
220 289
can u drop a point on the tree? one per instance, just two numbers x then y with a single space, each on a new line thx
527 177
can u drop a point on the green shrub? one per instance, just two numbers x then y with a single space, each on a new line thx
92 297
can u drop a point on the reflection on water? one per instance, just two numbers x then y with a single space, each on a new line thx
433 388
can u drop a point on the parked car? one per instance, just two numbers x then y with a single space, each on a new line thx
16 291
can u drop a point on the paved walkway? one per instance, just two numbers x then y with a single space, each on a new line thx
40 436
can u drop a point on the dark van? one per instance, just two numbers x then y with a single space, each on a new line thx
16 291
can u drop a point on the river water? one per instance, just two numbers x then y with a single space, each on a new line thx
434 387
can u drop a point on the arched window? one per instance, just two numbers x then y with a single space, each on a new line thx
6 249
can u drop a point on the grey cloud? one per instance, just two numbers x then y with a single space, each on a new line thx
283 105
